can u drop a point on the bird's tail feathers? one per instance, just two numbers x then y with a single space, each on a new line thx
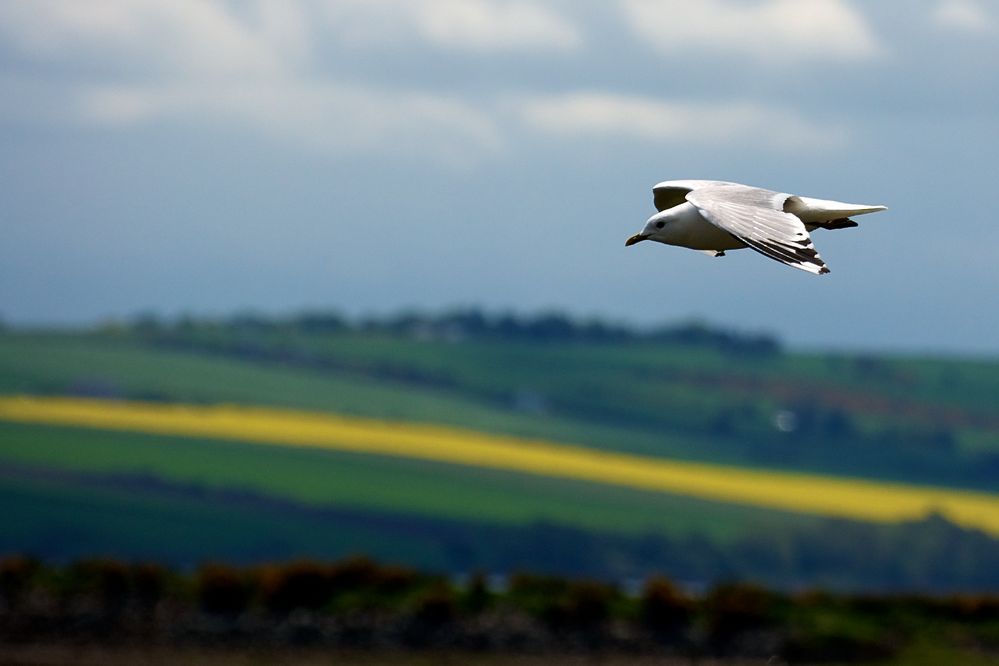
820 211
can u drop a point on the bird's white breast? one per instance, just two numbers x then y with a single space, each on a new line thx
686 227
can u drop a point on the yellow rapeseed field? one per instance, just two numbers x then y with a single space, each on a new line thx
806 493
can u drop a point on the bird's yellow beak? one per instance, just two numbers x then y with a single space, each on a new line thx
634 239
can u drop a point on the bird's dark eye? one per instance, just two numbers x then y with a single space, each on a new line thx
660 224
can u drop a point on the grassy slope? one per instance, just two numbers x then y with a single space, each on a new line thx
352 480
644 381
640 398
955 382
61 364
477 382
67 520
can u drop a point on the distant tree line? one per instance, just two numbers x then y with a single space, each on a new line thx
475 324
357 603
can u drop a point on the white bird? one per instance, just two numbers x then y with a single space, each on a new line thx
714 216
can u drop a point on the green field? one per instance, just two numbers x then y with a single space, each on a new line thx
928 421
67 518
59 364
376 482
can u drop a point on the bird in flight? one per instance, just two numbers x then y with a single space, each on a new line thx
714 216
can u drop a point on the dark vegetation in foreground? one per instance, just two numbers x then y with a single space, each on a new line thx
358 604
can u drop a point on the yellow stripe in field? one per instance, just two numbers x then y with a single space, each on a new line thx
806 493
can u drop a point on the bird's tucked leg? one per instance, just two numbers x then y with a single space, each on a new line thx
840 223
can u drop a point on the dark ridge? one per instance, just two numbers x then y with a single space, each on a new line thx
467 324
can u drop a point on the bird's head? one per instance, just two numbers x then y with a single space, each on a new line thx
653 228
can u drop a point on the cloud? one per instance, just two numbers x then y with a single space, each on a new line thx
186 61
744 124
963 16
487 26
176 37
257 66
484 26
786 31
328 117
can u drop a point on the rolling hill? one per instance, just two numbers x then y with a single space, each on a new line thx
927 422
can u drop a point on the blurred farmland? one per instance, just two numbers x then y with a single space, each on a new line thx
688 393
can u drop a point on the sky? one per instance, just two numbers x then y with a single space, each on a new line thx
212 157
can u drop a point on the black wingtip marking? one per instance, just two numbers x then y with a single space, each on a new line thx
788 254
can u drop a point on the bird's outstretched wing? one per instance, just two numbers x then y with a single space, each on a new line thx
756 217
670 193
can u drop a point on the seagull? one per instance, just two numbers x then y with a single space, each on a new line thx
715 215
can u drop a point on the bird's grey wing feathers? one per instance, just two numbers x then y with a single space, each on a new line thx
756 217
668 196
670 193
